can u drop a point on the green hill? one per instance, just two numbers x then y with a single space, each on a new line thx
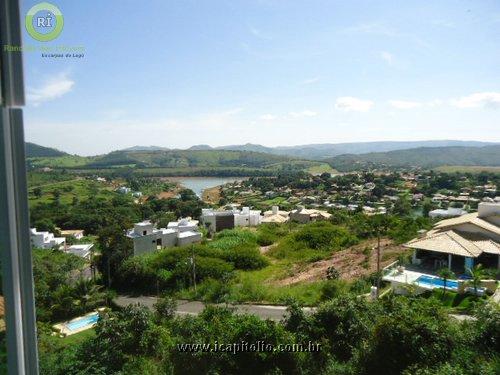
33 150
424 157
180 162
187 158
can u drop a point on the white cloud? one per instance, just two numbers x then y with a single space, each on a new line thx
387 57
478 100
305 113
404 104
259 33
53 88
310 81
349 103
268 117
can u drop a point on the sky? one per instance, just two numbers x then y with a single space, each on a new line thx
272 72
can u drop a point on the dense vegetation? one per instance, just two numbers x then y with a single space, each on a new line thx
396 335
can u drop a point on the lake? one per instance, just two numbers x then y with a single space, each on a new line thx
198 184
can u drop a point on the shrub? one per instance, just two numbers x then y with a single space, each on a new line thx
332 273
333 288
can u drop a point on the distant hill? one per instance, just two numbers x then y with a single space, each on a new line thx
327 150
425 157
145 148
36 151
192 159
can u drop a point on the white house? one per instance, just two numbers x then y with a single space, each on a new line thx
450 212
247 217
123 190
147 238
81 250
45 240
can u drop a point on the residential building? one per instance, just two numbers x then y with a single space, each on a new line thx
275 216
75 233
303 215
123 190
81 250
450 212
461 242
247 217
147 238
45 240
216 221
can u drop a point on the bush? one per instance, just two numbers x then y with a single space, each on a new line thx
333 288
244 258
266 239
332 273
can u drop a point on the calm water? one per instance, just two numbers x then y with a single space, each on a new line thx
198 184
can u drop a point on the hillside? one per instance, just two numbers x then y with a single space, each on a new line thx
187 158
181 163
33 150
327 150
425 157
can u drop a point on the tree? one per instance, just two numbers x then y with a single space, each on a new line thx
115 249
476 273
445 274
37 192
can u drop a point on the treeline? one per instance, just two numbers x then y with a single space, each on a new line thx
395 335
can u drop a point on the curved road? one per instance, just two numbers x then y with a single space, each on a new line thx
195 307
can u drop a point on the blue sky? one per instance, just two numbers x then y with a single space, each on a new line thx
178 73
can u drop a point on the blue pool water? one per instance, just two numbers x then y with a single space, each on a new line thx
82 322
437 282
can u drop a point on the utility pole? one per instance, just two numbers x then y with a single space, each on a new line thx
378 262
193 263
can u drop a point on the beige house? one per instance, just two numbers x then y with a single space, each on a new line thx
275 216
76 233
461 242
303 215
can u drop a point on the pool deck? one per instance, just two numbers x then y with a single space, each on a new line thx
410 278
65 331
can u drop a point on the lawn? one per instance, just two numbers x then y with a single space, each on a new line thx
77 338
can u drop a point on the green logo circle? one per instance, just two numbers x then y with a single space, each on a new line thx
44 22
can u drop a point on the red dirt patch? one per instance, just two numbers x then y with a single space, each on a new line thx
351 263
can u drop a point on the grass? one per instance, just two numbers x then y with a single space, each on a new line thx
77 338
67 161
79 188
321 168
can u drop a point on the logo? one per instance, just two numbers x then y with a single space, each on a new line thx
44 22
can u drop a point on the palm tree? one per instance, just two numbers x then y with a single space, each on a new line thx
445 274
476 273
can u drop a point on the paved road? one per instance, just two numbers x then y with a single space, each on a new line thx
195 307
272 312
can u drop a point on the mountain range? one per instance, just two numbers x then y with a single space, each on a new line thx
341 156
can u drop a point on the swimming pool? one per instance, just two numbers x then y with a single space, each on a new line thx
82 322
436 282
